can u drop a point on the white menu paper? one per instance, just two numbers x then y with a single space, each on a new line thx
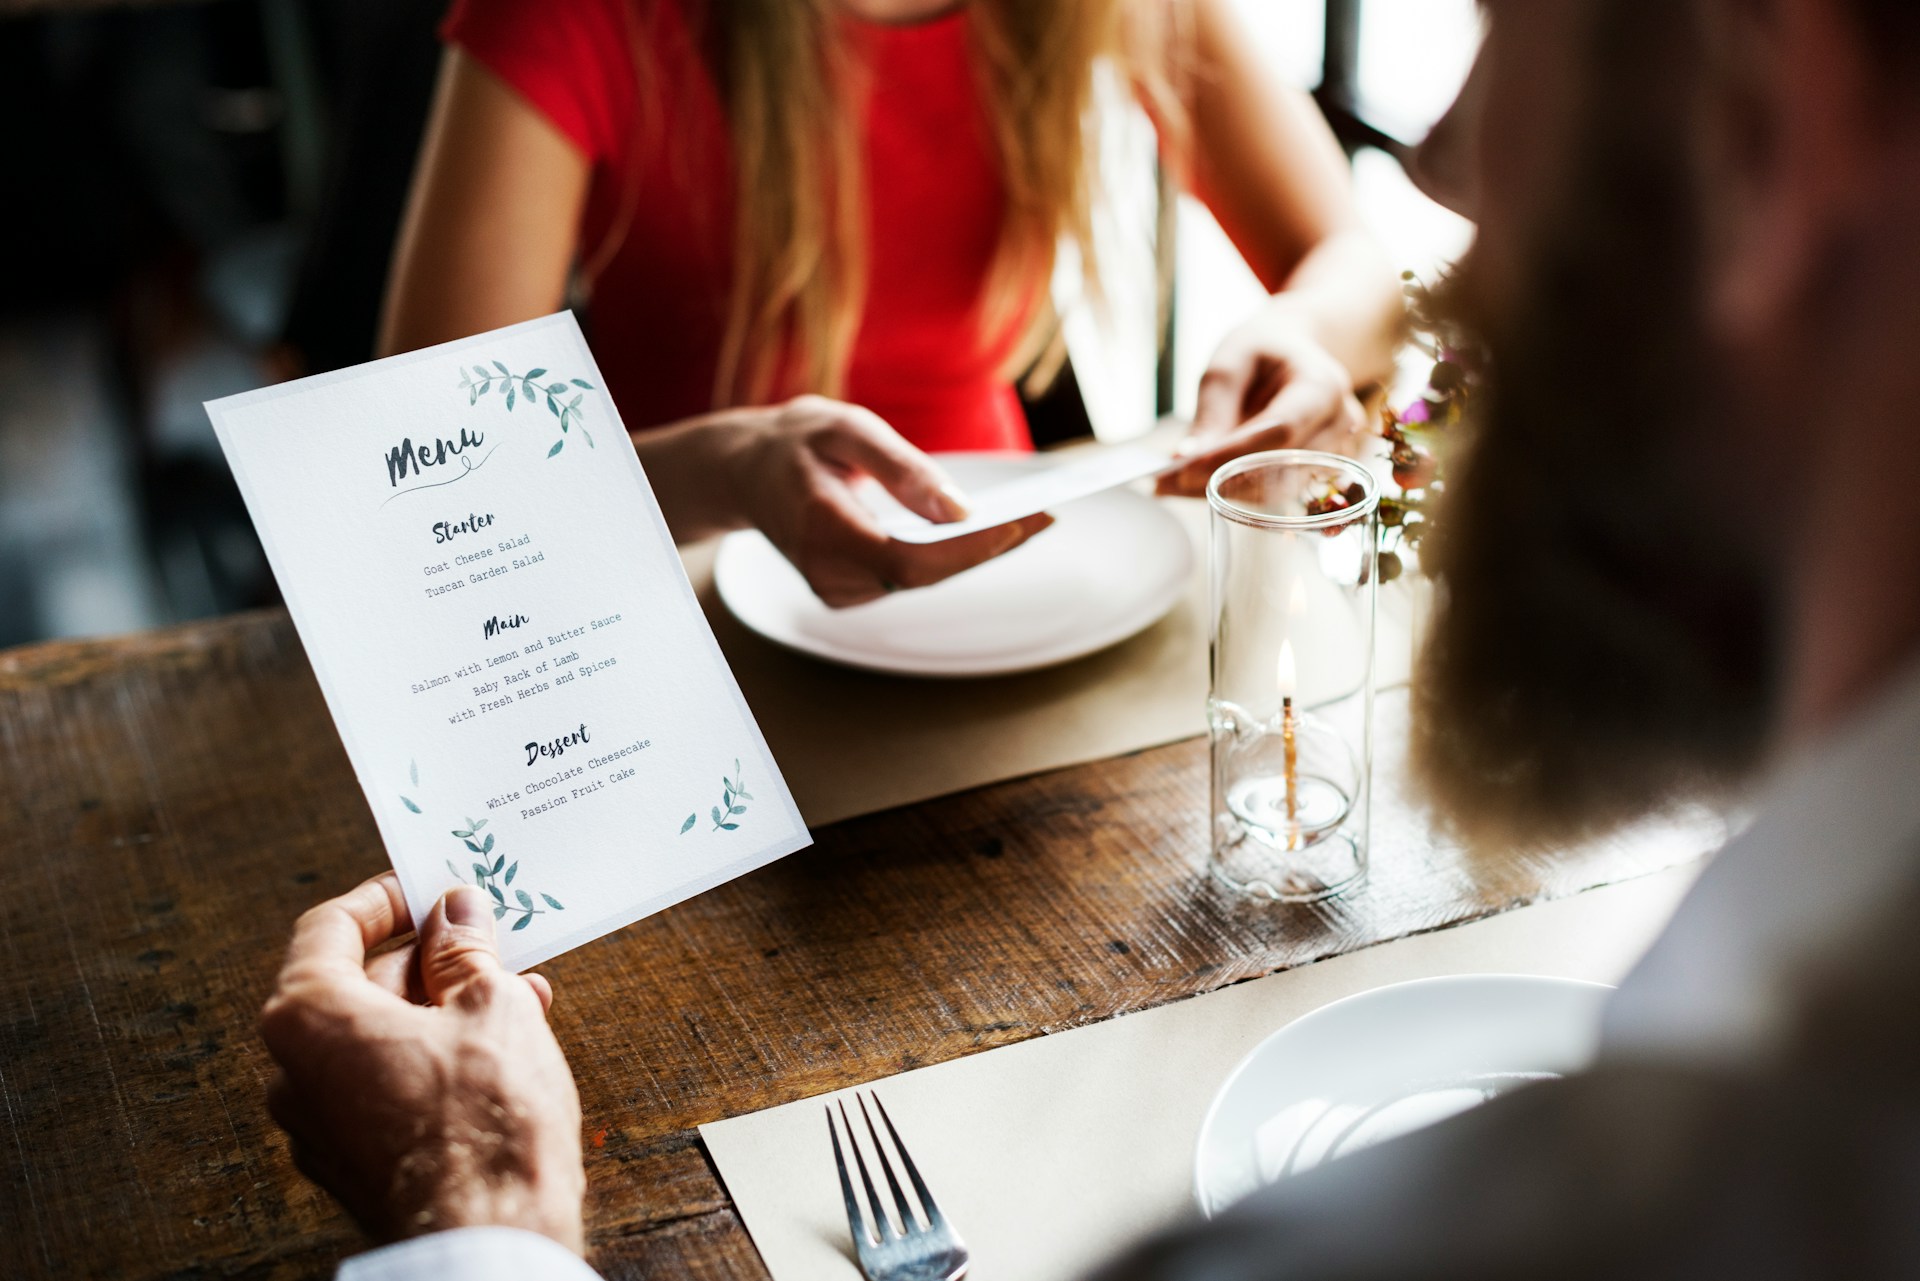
505 636
1086 473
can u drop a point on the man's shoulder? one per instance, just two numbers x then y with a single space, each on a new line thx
1805 1165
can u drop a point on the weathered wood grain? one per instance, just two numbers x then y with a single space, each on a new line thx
172 801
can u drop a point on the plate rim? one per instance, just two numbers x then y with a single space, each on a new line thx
1163 602
1199 1180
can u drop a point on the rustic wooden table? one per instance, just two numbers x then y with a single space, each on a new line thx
173 800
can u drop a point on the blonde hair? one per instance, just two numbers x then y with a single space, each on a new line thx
800 269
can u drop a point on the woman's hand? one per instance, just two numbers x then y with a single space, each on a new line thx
422 1086
1270 386
793 468
1265 162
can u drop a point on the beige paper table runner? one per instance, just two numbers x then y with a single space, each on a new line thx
1051 1154
852 742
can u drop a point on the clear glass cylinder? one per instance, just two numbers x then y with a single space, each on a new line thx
1290 707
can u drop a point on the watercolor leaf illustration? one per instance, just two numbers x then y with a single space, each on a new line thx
496 878
726 814
491 875
527 389
729 809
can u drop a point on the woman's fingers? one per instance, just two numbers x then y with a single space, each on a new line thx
836 542
863 570
1222 400
909 565
863 441
1219 417
1303 414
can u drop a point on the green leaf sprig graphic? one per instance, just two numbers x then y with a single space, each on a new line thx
729 808
491 872
526 389
494 874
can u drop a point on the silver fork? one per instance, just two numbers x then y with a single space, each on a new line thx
915 1250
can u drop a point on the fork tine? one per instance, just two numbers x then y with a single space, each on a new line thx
854 1220
913 1172
881 1226
907 1223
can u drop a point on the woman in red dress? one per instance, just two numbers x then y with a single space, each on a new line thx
908 168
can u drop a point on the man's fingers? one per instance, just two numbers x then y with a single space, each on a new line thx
337 935
542 989
282 1102
392 971
864 441
459 961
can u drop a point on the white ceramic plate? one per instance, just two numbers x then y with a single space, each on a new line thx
1112 566
1385 1063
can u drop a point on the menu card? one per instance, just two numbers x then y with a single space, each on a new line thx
501 626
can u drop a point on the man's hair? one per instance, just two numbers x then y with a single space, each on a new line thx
1600 648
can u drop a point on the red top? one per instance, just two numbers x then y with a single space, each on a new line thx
936 203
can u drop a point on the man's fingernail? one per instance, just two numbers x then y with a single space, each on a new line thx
957 508
468 906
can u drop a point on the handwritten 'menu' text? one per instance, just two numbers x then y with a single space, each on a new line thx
408 457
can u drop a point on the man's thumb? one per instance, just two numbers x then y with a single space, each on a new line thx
457 953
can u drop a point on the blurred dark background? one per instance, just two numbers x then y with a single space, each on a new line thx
201 197
195 199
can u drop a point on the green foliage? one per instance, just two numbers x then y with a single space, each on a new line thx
527 389
729 808
490 875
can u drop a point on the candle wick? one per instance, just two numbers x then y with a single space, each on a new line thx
1289 741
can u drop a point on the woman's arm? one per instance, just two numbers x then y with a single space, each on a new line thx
493 219
1270 170
491 231
1263 160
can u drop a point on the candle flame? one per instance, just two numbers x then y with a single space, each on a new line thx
1285 673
